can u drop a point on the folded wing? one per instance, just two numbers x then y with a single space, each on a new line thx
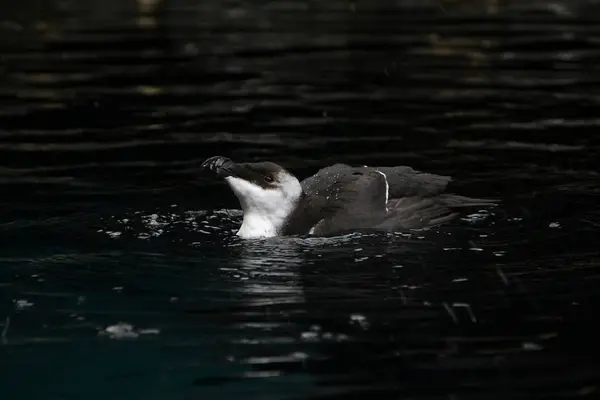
341 197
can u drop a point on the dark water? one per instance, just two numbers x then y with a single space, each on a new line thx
121 277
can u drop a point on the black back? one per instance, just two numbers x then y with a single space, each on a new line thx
341 198
337 200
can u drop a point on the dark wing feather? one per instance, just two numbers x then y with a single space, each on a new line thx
361 204
406 182
403 181
414 213
340 197
421 212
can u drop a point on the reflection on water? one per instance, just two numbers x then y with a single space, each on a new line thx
120 272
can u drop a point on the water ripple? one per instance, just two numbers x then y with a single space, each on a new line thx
120 260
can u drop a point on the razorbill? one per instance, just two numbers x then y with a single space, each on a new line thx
338 198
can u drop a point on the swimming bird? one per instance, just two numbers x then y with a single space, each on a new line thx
338 198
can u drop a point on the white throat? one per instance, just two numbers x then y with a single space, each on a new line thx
265 210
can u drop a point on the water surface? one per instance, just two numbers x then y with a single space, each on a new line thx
121 276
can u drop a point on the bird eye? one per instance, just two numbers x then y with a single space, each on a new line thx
268 179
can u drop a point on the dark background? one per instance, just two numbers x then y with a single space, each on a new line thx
107 108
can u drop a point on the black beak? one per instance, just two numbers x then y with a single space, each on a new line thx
222 166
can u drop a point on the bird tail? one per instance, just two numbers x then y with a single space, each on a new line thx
421 212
